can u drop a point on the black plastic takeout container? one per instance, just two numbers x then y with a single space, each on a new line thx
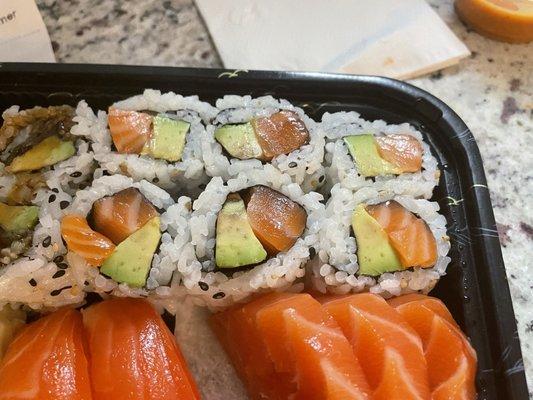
475 288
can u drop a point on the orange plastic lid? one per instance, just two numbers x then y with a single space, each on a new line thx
506 20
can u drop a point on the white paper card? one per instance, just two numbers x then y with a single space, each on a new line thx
23 35
395 38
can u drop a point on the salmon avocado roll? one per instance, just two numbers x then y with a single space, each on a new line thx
391 158
119 236
249 132
253 232
156 137
387 244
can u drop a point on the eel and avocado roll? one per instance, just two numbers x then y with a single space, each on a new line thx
248 132
156 137
385 243
252 233
120 236
391 158
42 148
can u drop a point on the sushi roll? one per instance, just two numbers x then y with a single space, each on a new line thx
156 137
383 243
119 236
391 158
254 232
248 132
42 148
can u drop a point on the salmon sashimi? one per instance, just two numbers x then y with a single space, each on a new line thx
276 220
47 361
409 235
304 340
133 354
451 360
402 151
389 350
122 214
130 130
280 133
81 239
236 330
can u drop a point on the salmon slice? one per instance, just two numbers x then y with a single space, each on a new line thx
122 214
47 361
276 220
130 130
236 330
409 235
304 340
389 350
402 151
81 239
133 354
280 133
451 360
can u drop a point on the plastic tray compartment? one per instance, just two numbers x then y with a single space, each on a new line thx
475 287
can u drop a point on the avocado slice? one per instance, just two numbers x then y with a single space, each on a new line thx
168 139
17 219
48 152
239 141
10 323
236 244
364 151
374 251
132 258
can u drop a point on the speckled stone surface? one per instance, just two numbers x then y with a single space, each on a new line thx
492 91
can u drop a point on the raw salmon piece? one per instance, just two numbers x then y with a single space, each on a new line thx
281 133
402 151
47 361
303 339
130 130
409 235
389 350
122 214
81 239
237 331
452 361
133 354
276 220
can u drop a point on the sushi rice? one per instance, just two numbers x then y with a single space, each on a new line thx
196 263
341 167
304 165
335 267
187 174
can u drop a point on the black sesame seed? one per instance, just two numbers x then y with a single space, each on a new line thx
155 180
32 282
219 295
204 286
63 204
55 190
52 198
312 252
56 292
58 259
105 172
47 241
76 174
62 266
293 164
58 274
321 179
86 283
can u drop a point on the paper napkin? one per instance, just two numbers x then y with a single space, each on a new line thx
23 35
395 38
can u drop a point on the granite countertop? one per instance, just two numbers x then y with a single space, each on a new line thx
491 91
